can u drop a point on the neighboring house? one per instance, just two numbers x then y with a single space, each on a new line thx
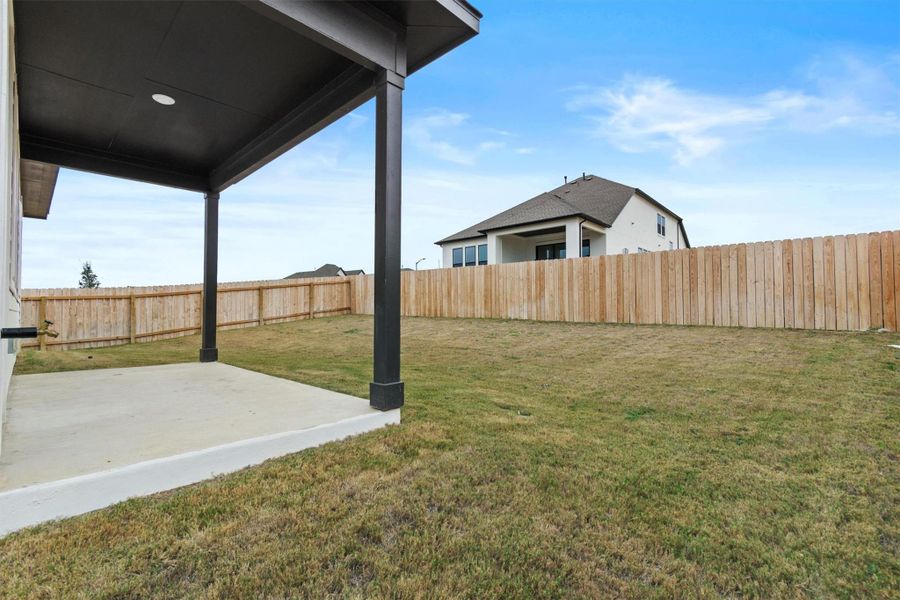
326 270
595 215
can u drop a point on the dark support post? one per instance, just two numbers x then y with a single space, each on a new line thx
208 350
386 391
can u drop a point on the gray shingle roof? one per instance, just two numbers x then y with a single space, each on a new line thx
326 270
594 198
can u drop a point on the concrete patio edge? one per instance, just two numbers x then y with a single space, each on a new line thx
34 504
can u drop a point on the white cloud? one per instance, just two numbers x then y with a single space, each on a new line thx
429 133
641 114
526 150
355 120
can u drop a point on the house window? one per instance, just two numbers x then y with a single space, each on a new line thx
585 247
457 257
661 225
482 254
470 256
550 251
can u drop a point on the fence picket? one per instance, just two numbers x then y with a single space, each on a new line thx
787 272
876 311
888 296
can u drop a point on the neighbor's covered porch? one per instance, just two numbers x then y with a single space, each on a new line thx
198 96
547 240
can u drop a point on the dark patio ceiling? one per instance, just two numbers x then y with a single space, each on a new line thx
250 79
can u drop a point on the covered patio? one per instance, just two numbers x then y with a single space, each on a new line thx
81 440
198 96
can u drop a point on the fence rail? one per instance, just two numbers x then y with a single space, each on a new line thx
848 282
845 283
111 316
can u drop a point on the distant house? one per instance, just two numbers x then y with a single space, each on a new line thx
326 270
594 215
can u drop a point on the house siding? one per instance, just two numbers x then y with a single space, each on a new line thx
10 206
448 250
635 228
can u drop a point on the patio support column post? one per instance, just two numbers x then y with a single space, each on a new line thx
386 390
495 249
573 238
208 350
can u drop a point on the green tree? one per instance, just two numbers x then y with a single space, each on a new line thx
88 279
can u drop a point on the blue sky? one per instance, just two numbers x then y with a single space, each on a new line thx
752 120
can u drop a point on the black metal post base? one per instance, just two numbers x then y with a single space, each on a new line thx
209 354
386 396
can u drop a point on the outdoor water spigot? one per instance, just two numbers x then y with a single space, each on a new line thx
45 330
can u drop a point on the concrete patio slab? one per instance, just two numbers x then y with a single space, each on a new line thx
81 440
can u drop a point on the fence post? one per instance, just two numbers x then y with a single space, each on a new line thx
351 281
261 305
132 319
42 316
312 313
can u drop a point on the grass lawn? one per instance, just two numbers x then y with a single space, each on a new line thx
534 460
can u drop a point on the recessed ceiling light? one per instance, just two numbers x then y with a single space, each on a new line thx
163 99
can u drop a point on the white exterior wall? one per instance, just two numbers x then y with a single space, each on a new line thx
598 241
10 205
515 249
520 249
573 238
495 248
448 250
635 227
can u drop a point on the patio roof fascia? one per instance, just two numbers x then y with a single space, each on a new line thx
352 31
93 161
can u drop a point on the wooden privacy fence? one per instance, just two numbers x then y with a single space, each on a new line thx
848 282
110 316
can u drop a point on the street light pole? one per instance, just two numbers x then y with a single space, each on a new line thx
417 263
